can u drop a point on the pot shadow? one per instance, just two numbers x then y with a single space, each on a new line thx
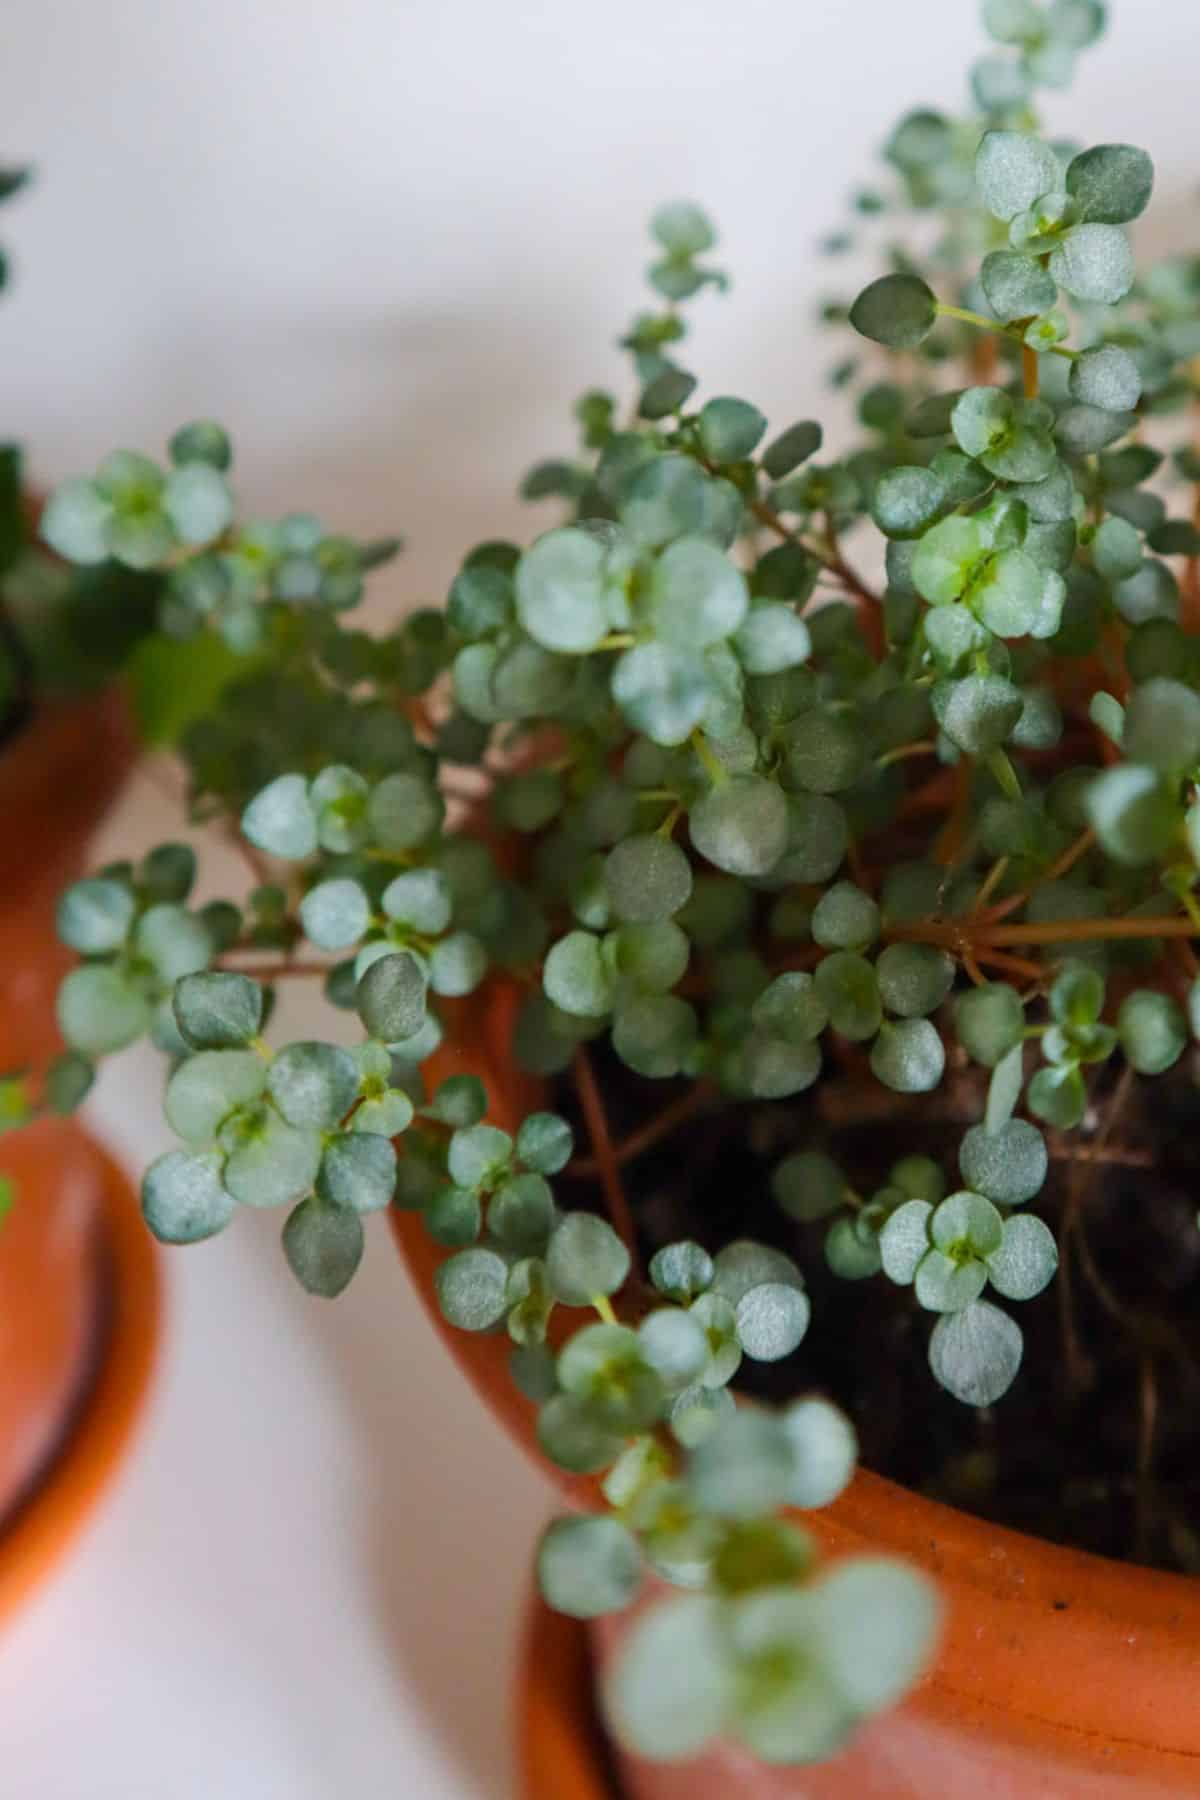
451 1513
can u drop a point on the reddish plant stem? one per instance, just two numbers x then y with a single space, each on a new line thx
950 840
1029 372
645 1138
619 1212
1010 965
961 935
1055 872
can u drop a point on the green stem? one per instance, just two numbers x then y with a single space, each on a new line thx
998 330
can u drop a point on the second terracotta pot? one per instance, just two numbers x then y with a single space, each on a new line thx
1062 1676
56 779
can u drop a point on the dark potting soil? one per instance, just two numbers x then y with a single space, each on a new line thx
1097 1442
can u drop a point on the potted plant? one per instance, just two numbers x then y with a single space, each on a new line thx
746 973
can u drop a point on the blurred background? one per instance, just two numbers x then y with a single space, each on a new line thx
388 242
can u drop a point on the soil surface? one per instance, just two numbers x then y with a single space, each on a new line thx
1097 1443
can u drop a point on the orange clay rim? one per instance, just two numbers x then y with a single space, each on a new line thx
49 1521
559 1748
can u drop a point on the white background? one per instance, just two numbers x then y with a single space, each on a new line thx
388 241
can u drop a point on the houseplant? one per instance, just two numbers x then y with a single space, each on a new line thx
846 916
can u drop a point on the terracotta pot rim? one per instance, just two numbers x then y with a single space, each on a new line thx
47 1523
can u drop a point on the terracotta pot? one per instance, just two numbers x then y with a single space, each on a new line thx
561 1750
58 1298
1062 1676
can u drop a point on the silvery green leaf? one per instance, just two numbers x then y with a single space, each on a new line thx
313 1084
206 1088
1026 1259
772 1319
824 1451
588 1566
183 1199
272 1163
323 1245
174 941
1094 263
672 1688
281 820
358 1170
975 1354
335 914
1012 170
217 1010
904 1240
94 916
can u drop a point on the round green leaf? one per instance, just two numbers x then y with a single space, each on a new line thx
989 1020
174 941
1153 1031
217 1010
313 1084
1016 285
1111 183
848 988
772 638
741 826
905 500
588 1566
697 596
270 1163
904 1241
681 1271
824 1451
1162 726
323 1245
390 997
1008 1165
576 976
1026 1259
335 914
471 1289
183 1200
197 500
913 979
206 1088
358 1170
1133 812
94 916
908 1056
585 1259
76 521
975 1354
1012 170
560 591
281 820
730 429
897 310
675 1345
772 1319
648 878
403 811
876 1627
1107 377
808 1185
1094 263
673 1686
662 691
